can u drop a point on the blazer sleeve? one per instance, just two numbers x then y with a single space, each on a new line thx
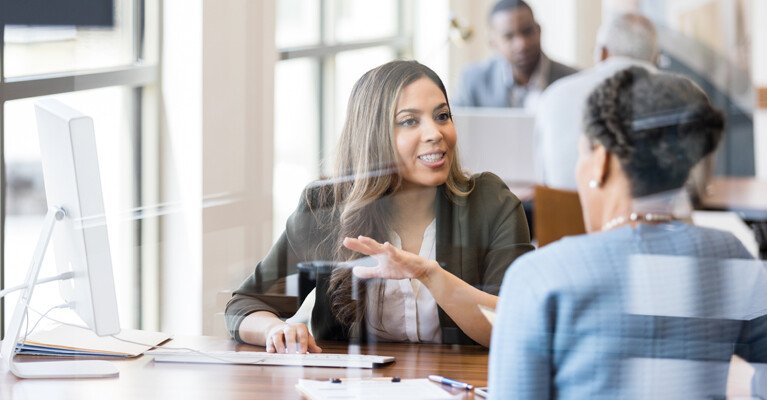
260 290
507 230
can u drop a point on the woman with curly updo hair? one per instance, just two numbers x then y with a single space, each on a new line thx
575 320
442 239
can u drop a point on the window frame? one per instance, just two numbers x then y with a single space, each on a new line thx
323 53
135 75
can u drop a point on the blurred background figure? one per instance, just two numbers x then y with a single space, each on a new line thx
626 40
520 71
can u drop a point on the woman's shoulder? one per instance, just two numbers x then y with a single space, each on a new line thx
318 192
489 188
571 253
315 203
718 243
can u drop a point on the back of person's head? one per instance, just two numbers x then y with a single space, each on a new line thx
629 35
658 125
508 5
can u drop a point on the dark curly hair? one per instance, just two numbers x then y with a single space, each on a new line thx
659 125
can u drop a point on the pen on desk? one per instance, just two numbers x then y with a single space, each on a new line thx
447 381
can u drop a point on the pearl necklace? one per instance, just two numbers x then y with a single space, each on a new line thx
649 217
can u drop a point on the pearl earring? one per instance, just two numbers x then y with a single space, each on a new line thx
593 184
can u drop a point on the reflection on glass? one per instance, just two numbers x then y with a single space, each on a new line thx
49 49
298 23
357 20
26 203
296 134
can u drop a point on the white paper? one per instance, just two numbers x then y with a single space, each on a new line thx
421 389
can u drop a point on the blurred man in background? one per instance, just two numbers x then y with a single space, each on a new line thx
520 72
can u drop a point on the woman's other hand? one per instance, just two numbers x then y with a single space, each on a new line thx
290 338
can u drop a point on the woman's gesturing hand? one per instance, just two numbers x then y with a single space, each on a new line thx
393 263
290 338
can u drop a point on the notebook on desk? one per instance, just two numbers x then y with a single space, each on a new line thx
498 140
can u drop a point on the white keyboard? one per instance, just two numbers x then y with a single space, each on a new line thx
260 358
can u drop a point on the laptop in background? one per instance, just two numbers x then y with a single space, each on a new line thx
498 140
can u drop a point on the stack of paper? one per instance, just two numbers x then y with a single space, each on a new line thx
66 340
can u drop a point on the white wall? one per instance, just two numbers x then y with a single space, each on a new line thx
238 110
218 72
181 186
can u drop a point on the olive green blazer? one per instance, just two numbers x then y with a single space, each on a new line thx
478 237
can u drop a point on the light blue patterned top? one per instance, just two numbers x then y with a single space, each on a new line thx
592 317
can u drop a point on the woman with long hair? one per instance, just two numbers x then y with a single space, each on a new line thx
442 239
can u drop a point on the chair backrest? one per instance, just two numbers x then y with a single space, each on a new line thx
556 213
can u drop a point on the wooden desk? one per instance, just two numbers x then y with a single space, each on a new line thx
743 195
142 379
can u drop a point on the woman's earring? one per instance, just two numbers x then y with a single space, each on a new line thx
593 184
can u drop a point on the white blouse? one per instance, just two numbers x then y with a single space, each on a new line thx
408 312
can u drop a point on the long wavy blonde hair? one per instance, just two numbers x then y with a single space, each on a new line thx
366 173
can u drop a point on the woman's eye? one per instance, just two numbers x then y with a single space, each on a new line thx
443 117
408 122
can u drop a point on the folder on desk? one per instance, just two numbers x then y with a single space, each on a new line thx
71 341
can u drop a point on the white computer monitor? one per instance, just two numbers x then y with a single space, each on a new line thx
498 140
73 190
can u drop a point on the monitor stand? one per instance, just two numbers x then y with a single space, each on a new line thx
48 369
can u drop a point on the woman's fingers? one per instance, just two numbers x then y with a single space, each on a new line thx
360 246
371 243
313 348
367 272
291 338
302 336
276 341
364 245
390 250
393 263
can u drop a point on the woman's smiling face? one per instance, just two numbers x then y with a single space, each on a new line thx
424 135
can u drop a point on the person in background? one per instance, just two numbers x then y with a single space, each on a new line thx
574 319
626 40
442 239
520 72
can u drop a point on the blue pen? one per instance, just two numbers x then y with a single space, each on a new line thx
446 381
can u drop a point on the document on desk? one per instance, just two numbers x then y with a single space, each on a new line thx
66 340
369 389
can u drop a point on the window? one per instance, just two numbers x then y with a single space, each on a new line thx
110 74
324 46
